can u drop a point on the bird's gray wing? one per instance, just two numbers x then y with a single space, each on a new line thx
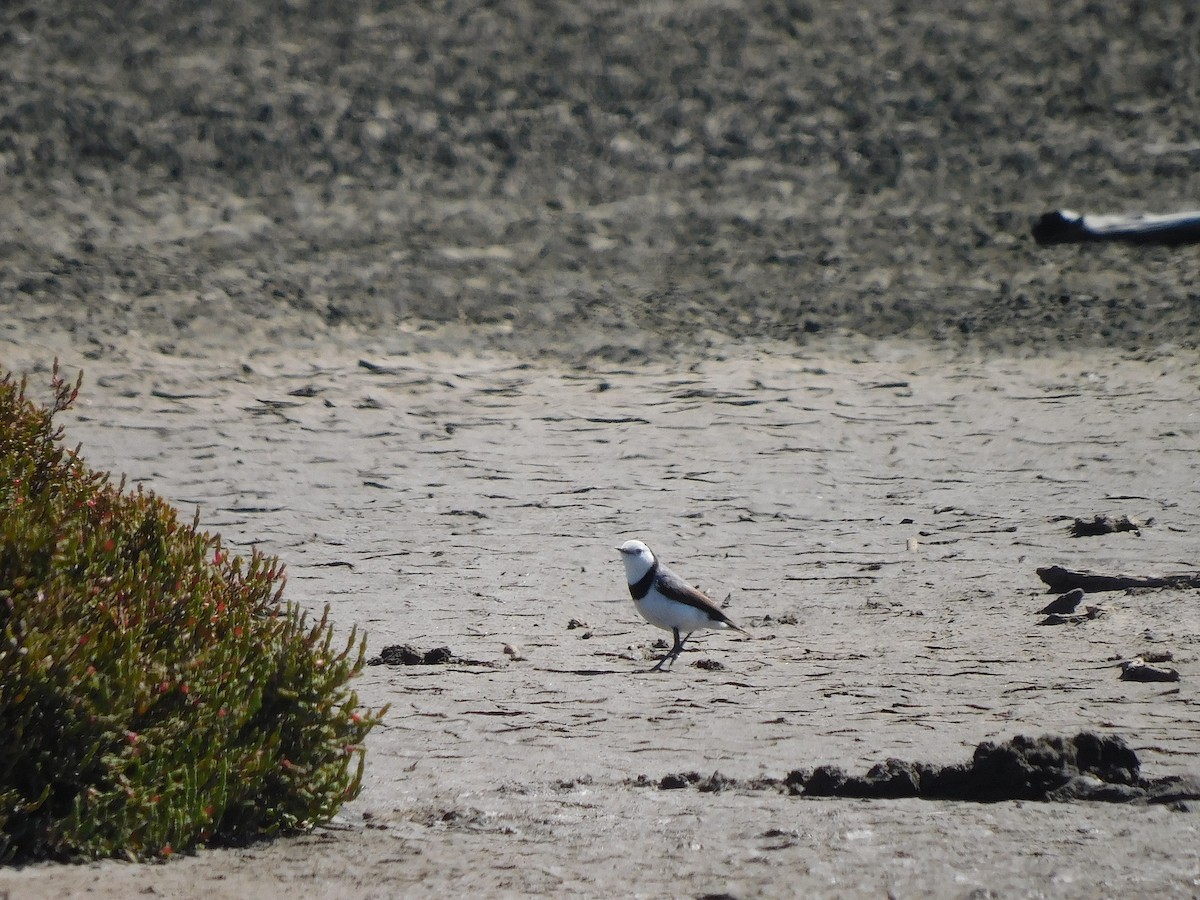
675 588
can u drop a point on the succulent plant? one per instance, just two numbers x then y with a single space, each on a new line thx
156 691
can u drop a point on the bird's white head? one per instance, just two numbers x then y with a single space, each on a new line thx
637 558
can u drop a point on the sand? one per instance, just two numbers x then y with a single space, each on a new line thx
440 303
874 516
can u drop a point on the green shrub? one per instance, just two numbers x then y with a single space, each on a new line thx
155 691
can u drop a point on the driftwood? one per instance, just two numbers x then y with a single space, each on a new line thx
1065 227
1061 580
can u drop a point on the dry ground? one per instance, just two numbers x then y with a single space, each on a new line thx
752 282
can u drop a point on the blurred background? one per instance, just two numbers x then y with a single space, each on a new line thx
603 179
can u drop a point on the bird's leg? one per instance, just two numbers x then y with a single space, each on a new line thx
673 653
669 656
678 648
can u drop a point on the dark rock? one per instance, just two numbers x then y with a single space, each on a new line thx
1174 789
1056 619
825 781
408 655
1088 787
796 780
1065 603
893 778
953 782
1106 756
1104 525
1090 612
716 782
1140 670
1032 768
1086 767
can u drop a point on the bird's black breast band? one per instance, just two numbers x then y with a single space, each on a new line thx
641 587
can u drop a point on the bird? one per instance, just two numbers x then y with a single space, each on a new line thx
667 601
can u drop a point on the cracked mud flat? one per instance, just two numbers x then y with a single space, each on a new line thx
755 285
876 518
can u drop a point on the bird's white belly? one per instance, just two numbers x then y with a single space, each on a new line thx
658 610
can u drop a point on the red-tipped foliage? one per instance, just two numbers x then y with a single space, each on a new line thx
155 690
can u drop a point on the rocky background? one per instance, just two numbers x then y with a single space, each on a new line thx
595 178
